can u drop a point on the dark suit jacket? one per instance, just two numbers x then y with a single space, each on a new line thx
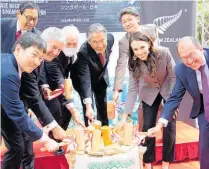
31 95
56 71
185 81
87 72
8 34
29 91
11 104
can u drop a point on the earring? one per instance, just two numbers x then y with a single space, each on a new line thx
134 58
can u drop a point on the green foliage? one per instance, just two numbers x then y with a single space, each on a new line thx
203 21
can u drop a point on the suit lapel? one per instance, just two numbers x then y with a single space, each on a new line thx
206 54
192 81
13 29
63 62
39 70
68 67
192 78
159 62
94 56
107 55
14 61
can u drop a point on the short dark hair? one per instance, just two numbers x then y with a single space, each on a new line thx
129 10
27 5
29 39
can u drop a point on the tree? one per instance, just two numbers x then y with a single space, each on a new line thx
203 21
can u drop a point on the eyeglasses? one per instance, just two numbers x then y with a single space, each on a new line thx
29 18
189 57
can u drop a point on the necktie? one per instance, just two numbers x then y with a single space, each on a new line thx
18 34
205 88
102 59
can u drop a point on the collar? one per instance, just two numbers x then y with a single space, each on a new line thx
128 35
16 64
18 28
19 71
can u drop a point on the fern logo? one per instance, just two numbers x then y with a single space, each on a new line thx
131 2
164 22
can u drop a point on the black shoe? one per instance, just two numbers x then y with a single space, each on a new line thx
58 152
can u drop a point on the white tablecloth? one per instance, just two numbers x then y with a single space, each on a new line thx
128 160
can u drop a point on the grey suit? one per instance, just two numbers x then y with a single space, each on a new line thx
148 87
151 31
151 90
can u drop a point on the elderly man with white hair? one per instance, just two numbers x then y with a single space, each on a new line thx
30 91
55 72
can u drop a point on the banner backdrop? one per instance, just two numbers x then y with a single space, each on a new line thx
81 13
173 19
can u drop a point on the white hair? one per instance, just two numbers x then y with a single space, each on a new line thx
71 30
53 33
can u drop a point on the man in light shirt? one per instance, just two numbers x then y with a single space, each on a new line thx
192 75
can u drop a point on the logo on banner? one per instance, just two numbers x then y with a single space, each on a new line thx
131 2
164 22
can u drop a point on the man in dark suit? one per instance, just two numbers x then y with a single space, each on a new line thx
30 91
27 55
55 72
90 76
192 75
11 28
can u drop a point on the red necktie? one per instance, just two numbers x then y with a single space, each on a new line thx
18 34
102 59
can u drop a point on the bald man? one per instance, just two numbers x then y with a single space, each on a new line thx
192 75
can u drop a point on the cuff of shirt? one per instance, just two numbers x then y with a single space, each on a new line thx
163 121
50 126
119 90
43 138
44 86
87 100
70 105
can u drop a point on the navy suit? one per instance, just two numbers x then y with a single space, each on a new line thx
8 34
186 80
14 118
